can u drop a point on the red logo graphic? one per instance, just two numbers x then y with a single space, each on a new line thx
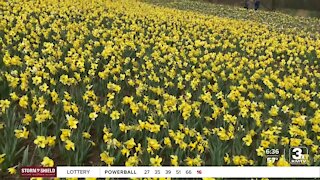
199 172
36 171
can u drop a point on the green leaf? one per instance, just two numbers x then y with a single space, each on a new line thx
25 156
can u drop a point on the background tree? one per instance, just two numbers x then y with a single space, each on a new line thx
273 4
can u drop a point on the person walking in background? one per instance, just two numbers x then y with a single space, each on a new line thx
256 4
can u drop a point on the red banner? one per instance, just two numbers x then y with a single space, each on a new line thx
36 171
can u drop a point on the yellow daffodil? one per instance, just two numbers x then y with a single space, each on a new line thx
2 158
47 162
22 133
41 141
156 161
106 158
69 145
12 170
115 115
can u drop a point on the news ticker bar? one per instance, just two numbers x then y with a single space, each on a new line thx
190 172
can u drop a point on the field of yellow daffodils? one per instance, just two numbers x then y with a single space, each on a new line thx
281 21
105 82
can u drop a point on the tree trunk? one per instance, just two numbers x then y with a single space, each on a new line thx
273 5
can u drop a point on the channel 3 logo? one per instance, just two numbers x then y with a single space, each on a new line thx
298 156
